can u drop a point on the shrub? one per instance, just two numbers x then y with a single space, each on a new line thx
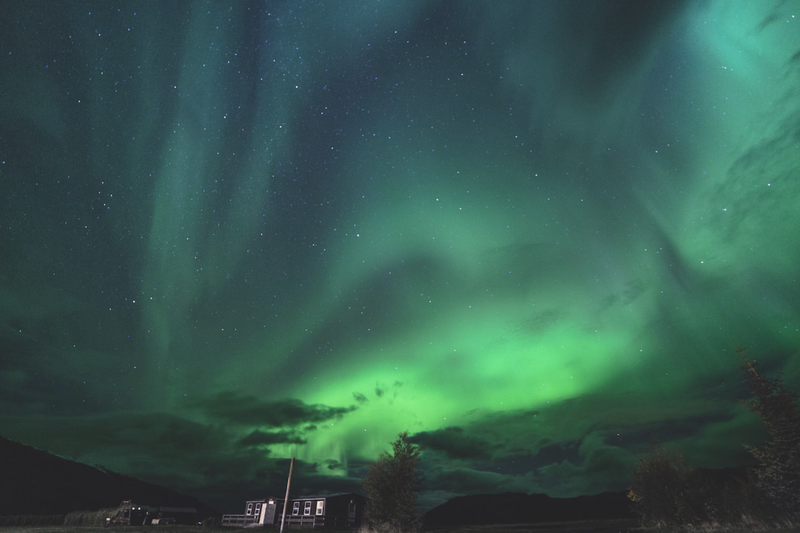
659 490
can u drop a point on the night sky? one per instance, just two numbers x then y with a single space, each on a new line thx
533 234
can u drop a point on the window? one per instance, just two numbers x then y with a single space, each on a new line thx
320 505
307 510
258 509
296 508
249 508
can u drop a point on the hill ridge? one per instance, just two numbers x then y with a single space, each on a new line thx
519 508
39 482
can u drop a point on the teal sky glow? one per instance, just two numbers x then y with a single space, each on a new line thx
532 234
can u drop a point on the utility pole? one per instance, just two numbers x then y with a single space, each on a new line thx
286 499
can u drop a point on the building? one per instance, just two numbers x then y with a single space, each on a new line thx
342 510
257 513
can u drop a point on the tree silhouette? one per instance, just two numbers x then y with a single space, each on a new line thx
659 488
778 472
391 485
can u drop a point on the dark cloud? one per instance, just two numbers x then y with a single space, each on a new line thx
593 452
464 480
602 469
246 410
382 389
265 438
630 413
332 464
454 443
723 444
360 398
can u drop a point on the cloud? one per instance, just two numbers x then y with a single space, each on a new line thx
722 444
360 398
454 443
260 438
332 464
246 410
603 469
464 480
578 446
636 417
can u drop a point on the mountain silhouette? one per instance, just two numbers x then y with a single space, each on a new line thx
36 482
515 508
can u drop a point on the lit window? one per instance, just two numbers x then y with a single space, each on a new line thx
320 504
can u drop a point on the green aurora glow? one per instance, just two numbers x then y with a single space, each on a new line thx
532 235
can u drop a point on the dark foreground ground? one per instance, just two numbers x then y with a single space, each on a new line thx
595 526
599 526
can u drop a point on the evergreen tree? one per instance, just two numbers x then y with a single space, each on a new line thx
392 484
778 472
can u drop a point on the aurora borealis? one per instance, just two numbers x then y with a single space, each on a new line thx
532 234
